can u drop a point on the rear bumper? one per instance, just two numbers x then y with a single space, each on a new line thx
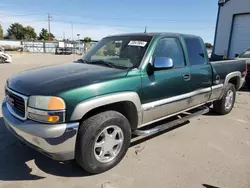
56 141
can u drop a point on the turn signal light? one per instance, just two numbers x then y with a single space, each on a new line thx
52 119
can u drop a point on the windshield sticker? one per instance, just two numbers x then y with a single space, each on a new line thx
137 43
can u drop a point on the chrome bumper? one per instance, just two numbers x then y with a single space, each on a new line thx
56 141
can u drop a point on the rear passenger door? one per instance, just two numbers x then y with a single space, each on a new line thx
200 69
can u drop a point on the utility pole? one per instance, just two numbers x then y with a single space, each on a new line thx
72 31
49 17
145 31
73 45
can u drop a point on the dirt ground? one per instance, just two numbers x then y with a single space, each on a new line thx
210 151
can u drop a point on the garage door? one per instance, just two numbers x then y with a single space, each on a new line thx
241 34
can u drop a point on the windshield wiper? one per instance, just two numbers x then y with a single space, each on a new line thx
81 60
105 63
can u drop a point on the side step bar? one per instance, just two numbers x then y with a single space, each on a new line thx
202 110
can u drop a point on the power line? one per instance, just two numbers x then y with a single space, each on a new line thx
134 18
96 24
128 26
113 18
18 15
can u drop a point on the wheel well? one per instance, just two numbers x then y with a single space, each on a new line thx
127 108
235 81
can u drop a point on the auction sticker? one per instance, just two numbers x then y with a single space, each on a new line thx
137 43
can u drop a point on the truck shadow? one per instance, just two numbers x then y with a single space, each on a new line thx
244 89
17 159
209 186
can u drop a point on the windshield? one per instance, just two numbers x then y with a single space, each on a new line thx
245 54
118 52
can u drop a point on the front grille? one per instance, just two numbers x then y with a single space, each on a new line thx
16 103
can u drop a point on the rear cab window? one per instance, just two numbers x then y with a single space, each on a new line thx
195 51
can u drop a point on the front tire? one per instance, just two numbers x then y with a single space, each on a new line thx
226 103
102 141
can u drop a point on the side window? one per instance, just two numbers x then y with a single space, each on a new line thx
170 47
195 51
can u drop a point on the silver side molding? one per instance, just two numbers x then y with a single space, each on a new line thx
217 90
82 108
231 75
170 124
171 115
155 104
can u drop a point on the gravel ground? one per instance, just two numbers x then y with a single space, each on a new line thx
209 151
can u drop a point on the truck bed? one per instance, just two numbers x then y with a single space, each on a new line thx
223 68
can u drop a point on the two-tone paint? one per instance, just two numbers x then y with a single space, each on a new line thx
85 87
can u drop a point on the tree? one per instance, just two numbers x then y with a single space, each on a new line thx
44 35
15 31
208 45
29 33
87 39
1 32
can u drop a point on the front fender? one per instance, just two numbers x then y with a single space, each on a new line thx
84 107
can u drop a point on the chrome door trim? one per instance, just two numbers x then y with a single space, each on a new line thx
217 86
161 109
171 115
155 104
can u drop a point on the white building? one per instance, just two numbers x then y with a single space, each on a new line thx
232 33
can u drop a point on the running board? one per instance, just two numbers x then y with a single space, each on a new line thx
162 127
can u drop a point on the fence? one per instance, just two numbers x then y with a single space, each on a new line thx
77 47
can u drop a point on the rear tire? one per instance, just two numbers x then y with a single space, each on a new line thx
98 147
226 103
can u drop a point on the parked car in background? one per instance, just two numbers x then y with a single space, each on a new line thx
63 51
246 56
4 57
89 109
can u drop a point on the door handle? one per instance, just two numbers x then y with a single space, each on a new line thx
186 77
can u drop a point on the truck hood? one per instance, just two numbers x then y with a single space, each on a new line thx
51 80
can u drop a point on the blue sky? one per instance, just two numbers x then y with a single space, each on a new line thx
98 18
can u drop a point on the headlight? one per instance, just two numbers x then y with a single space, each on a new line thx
46 109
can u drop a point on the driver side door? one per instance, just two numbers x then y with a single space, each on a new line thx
166 91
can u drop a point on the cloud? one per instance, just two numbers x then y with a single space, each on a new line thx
59 29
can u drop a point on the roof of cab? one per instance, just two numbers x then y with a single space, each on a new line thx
154 34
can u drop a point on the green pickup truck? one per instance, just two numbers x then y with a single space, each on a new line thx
87 110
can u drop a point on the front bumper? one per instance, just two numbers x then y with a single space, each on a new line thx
56 141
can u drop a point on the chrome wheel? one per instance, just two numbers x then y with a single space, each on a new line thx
229 99
108 144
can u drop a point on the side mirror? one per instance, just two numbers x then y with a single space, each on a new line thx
236 55
163 63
